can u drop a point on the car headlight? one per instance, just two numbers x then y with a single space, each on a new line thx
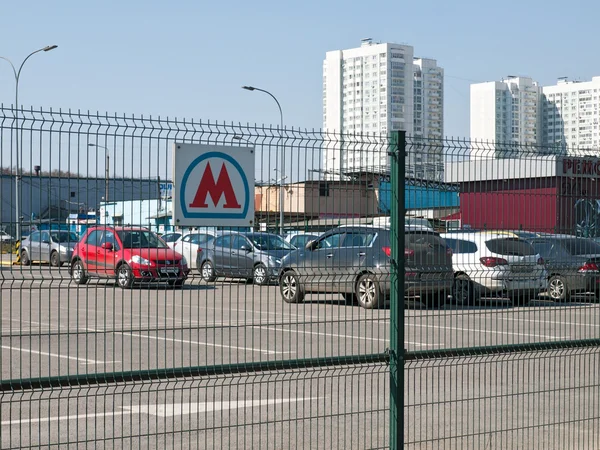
184 261
274 261
141 261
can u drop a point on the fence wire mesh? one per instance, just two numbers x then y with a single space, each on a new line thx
325 323
95 353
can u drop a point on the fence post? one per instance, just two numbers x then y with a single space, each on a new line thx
397 166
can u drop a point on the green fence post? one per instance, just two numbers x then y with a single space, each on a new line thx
397 164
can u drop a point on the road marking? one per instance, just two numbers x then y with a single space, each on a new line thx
486 331
55 355
551 322
175 409
318 333
207 344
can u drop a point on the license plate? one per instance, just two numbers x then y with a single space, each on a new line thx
169 270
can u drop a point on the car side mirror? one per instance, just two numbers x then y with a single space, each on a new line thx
311 245
246 248
107 246
45 241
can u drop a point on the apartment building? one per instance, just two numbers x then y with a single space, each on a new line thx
570 115
506 113
371 90
428 119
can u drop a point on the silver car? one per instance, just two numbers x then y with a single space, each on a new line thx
53 246
255 256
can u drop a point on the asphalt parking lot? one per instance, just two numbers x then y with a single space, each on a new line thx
52 327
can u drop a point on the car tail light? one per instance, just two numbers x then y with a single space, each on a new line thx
199 250
541 261
387 251
490 261
408 252
589 267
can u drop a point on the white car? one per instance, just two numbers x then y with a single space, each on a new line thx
5 237
189 244
171 238
488 264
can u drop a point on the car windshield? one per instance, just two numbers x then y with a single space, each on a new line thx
270 242
64 236
140 239
171 237
581 246
302 239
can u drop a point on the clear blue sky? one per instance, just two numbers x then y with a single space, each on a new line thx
189 58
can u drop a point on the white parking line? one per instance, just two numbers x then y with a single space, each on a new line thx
474 330
207 344
55 355
552 322
319 333
345 336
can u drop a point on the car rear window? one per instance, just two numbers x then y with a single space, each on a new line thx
581 246
415 239
510 247
461 246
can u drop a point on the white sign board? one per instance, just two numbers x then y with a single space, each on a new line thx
213 185
166 190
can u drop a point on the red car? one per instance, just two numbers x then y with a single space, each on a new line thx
128 254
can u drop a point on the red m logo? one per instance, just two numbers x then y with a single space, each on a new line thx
216 190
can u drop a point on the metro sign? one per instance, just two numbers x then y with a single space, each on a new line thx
214 185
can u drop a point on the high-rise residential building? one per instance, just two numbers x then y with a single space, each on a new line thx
506 113
428 122
570 115
371 90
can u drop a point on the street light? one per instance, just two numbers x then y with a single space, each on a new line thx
281 196
17 74
106 169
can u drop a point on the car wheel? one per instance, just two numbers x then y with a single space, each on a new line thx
78 273
55 259
25 261
176 283
368 294
290 287
557 288
259 275
463 291
208 271
124 276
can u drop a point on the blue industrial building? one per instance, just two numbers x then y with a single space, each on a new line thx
421 195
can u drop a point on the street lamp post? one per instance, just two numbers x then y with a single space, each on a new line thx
17 74
106 169
281 193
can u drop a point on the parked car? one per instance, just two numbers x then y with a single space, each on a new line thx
55 247
129 254
255 256
190 244
5 237
300 239
355 262
495 264
171 238
572 263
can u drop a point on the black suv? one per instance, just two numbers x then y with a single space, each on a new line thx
355 262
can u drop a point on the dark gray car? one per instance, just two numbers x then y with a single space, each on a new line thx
572 263
255 256
355 262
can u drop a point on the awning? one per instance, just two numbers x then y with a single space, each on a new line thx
453 216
